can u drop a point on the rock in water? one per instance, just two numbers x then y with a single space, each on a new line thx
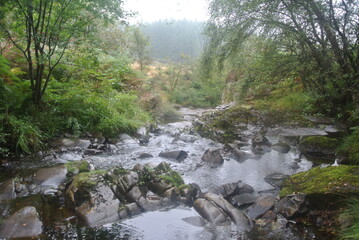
176 155
23 223
281 147
261 206
218 211
7 190
213 157
260 140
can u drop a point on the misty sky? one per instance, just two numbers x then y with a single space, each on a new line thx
153 10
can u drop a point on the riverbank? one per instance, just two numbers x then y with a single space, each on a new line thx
73 187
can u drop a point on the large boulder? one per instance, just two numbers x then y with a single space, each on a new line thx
219 211
176 155
213 157
318 145
92 199
23 223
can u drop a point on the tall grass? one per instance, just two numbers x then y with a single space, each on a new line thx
352 215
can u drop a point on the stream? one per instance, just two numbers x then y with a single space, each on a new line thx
173 223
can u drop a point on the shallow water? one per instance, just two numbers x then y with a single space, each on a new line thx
169 224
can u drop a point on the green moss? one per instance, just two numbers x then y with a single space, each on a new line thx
77 167
88 179
322 142
340 179
172 177
120 171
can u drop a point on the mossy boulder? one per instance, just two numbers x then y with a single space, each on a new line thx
341 180
74 168
318 145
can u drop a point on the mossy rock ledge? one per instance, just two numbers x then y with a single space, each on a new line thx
324 187
327 191
319 148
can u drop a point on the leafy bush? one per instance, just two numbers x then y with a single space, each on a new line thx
350 147
96 107
21 135
199 94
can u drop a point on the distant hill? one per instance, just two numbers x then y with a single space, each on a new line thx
171 38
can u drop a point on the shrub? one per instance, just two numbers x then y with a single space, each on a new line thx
21 135
350 146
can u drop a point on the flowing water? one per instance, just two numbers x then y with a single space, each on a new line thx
178 223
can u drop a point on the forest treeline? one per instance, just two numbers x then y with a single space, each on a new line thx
69 61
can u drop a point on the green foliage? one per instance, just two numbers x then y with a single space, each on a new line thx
74 168
42 31
351 214
350 147
268 42
173 178
21 135
199 93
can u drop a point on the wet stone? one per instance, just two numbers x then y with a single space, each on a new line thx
261 206
23 223
276 179
281 147
213 157
176 155
243 199
7 190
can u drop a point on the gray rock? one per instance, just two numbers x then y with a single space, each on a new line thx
281 147
7 190
134 194
230 189
145 155
243 199
93 152
217 210
241 156
291 205
276 179
51 177
260 140
23 223
261 149
95 206
213 157
133 209
176 155
143 135
261 206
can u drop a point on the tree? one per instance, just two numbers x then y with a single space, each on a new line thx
43 29
322 35
140 46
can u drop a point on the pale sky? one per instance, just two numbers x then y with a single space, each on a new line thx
153 10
